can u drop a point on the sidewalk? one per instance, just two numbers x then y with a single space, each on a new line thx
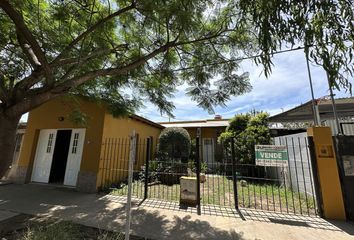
165 220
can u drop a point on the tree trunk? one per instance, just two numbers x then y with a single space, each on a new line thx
8 127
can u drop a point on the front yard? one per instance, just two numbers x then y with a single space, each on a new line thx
218 190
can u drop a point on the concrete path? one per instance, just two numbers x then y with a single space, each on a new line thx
164 220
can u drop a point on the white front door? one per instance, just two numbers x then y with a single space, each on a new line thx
208 150
44 155
74 156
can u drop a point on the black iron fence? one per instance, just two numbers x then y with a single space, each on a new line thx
224 180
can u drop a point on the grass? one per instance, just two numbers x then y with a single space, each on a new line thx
64 230
218 190
29 227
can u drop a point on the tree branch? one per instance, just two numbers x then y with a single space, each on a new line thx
28 51
76 81
208 37
23 30
3 92
29 103
38 96
91 29
95 54
29 81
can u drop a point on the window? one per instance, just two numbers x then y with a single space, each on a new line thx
50 142
75 142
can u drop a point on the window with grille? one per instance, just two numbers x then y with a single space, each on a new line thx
75 142
50 142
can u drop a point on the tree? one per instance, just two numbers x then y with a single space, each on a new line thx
324 28
101 48
247 130
107 49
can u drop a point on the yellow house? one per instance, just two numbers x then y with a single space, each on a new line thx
57 150
208 132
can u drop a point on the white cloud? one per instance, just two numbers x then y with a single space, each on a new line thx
286 87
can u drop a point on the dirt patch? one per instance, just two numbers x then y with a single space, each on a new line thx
28 227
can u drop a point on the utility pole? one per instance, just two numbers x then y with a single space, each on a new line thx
316 120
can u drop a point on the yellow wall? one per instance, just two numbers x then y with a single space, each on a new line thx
106 137
332 198
207 132
115 148
46 117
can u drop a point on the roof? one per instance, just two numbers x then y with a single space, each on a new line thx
145 120
198 123
303 112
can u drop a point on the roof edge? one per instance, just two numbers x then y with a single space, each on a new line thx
197 121
145 120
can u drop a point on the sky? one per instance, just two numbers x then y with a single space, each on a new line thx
287 87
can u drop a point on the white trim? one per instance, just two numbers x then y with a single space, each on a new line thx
80 148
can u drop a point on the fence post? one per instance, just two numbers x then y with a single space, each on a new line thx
198 174
234 173
148 153
132 155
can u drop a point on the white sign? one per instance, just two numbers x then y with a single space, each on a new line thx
271 155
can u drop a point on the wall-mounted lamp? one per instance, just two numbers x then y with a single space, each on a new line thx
60 119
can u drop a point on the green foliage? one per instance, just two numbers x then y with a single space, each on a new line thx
250 131
153 169
239 123
131 57
325 28
192 166
174 143
203 167
146 49
79 118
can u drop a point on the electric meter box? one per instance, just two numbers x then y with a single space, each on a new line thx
188 190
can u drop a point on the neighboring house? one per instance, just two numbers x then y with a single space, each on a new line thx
21 129
56 150
324 111
276 131
298 173
208 131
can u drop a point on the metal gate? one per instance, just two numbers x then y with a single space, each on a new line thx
231 181
225 179
345 157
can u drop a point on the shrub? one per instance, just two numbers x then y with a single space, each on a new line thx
175 143
153 170
247 130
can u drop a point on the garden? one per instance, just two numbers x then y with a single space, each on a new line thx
177 156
